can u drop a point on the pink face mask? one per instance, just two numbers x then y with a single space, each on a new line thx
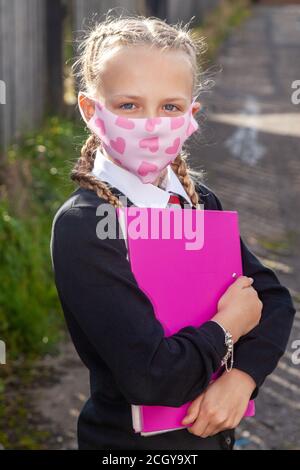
143 146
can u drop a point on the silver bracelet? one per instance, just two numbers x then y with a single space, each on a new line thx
229 344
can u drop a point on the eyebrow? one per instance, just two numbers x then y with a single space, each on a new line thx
137 96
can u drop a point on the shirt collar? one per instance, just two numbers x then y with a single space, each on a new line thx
141 194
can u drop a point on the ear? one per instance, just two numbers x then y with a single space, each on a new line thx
197 106
86 105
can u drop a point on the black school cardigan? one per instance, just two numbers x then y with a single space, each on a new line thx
117 336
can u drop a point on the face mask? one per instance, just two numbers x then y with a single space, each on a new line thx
143 146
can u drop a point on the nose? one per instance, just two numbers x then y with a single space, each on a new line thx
151 112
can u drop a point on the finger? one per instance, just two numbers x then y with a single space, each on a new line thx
214 424
223 426
203 433
243 281
212 430
193 411
199 426
198 429
215 428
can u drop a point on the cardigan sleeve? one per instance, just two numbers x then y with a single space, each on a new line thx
94 280
258 352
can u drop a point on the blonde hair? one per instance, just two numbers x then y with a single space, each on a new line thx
102 39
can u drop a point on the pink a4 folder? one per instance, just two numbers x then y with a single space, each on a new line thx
183 260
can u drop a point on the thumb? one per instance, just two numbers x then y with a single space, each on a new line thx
193 411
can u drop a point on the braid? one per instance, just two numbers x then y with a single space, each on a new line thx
83 167
181 168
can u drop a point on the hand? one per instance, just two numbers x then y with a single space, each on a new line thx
239 308
222 405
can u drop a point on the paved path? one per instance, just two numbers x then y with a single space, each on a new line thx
252 139
252 160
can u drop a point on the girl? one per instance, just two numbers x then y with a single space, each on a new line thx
136 72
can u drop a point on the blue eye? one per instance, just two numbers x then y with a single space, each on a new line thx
128 106
125 104
171 105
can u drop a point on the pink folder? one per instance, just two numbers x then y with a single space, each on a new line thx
184 275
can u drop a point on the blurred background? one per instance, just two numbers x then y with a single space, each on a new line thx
248 148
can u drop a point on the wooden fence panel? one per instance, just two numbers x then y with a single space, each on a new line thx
22 66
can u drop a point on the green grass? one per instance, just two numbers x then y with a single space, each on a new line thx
37 183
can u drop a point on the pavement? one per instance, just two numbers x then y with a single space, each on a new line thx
250 151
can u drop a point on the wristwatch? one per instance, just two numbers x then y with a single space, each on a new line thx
228 358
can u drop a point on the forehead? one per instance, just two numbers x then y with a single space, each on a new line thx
141 69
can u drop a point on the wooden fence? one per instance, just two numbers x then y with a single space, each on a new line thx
22 66
32 51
